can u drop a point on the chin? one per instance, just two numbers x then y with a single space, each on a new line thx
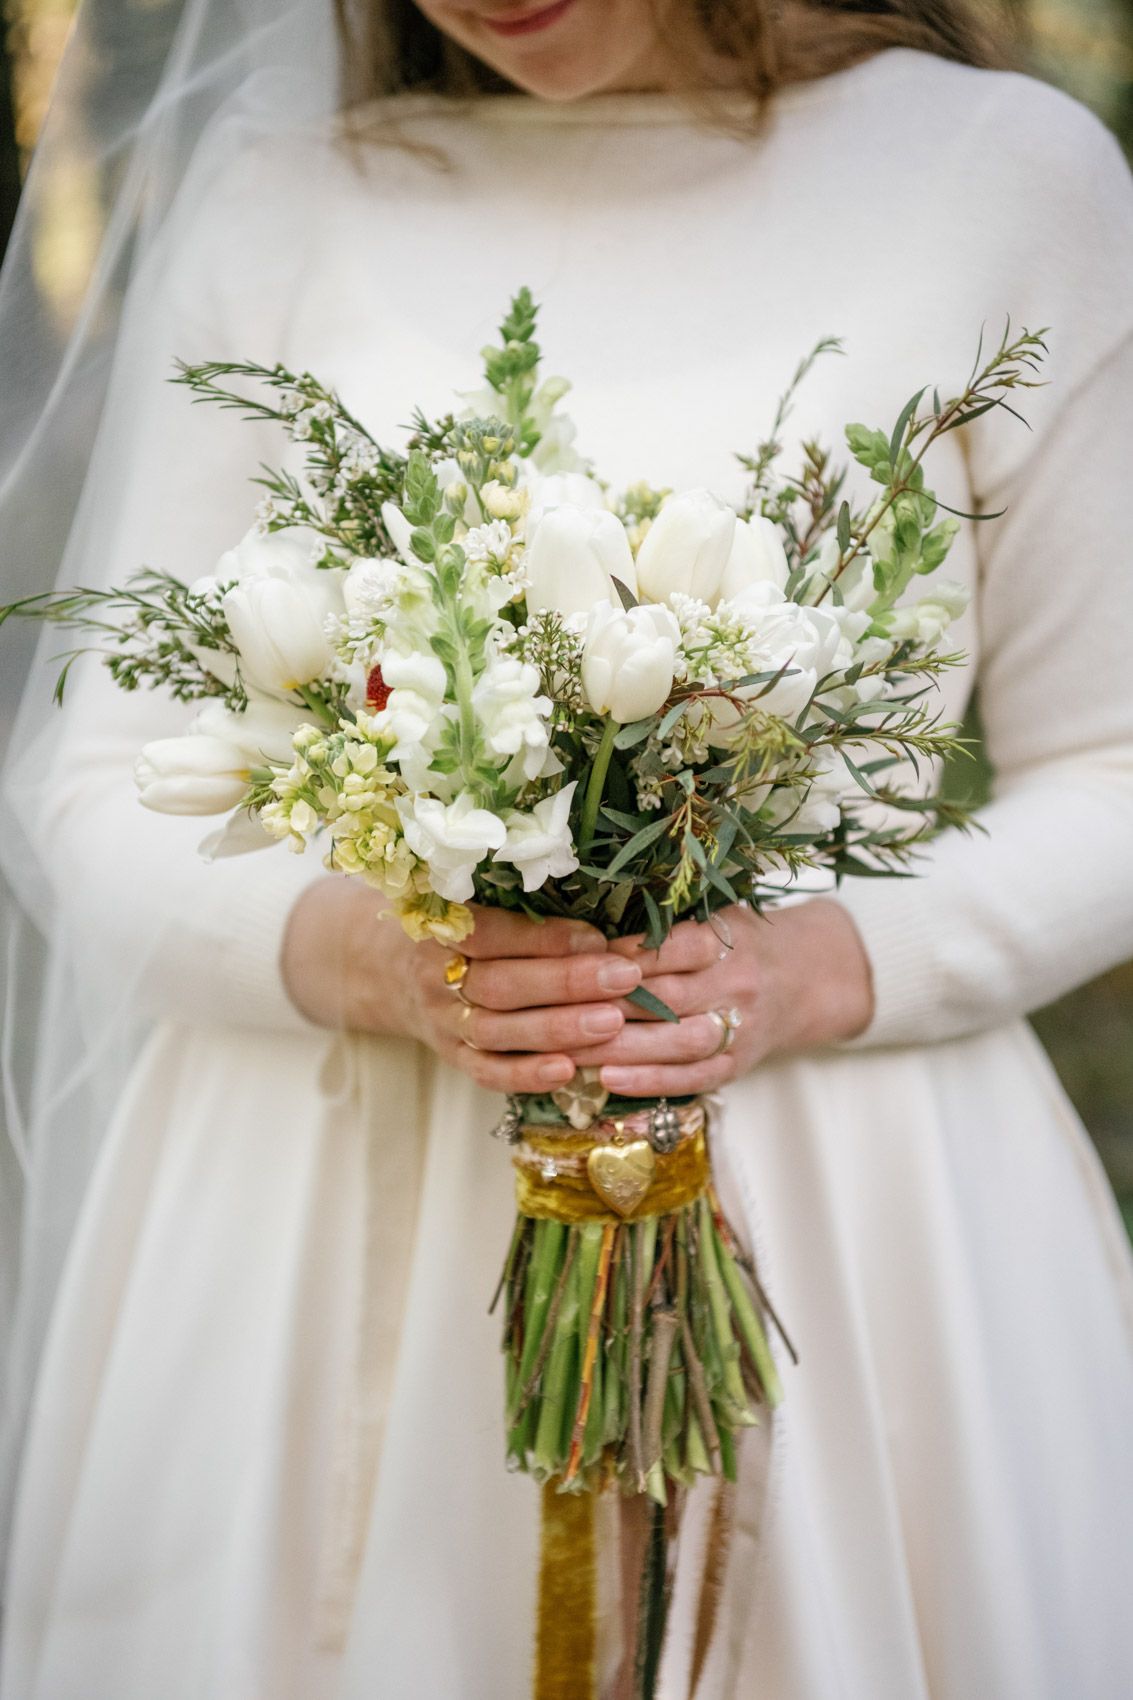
580 52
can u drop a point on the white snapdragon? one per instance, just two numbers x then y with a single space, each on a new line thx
687 548
572 558
452 839
400 533
539 841
514 717
413 717
927 620
628 660
555 451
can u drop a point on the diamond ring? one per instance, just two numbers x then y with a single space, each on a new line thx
729 1022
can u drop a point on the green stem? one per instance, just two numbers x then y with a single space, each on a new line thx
750 1327
596 785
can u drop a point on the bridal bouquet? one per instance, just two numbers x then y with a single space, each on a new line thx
471 671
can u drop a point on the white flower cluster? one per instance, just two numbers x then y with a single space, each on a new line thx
427 671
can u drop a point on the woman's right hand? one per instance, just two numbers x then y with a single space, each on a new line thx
536 991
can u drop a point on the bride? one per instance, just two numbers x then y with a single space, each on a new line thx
262 1456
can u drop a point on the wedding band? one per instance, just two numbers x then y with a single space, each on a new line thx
729 1020
465 1018
455 973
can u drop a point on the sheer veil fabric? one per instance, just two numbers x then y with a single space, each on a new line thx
951 1491
148 108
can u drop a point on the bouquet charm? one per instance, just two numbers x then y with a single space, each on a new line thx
473 672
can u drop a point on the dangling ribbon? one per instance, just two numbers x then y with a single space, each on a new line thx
566 1622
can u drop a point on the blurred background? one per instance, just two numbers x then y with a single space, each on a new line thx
1085 46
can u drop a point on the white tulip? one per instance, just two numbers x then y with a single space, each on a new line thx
452 838
277 611
628 660
687 548
561 490
263 731
271 554
194 775
757 556
572 556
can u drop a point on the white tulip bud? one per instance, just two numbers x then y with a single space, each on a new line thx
687 548
628 660
194 775
572 558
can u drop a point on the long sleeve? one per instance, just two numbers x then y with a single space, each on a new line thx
169 487
1004 921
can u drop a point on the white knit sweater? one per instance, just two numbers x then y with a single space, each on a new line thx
901 205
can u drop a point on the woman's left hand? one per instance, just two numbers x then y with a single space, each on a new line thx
796 978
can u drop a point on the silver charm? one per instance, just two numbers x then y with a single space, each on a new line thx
510 1125
664 1127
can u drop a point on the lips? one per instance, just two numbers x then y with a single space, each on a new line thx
529 22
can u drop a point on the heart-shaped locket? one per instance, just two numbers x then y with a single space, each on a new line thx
621 1174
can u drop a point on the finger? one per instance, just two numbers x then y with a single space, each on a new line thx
511 1074
499 932
652 1081
685 994
690 947
562 1029
539 982
639 1043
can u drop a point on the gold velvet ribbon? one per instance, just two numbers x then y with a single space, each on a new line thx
679 1177
565 1630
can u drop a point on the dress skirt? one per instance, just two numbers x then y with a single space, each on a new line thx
266 1456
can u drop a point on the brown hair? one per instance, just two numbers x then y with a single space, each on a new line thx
389 46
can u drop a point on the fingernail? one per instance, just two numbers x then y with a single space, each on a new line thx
618 976
583 939
556 1073
600 1023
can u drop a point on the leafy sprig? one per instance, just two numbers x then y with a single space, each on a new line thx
152 631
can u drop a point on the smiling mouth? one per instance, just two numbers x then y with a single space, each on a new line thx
527 23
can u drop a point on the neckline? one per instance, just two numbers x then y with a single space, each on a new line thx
641 108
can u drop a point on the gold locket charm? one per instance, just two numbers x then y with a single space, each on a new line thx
621 1175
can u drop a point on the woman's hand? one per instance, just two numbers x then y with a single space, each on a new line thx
537 992
797 978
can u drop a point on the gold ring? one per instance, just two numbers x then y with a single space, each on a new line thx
455 973
465 1017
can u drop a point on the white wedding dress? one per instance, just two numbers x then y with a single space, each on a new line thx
265 1459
